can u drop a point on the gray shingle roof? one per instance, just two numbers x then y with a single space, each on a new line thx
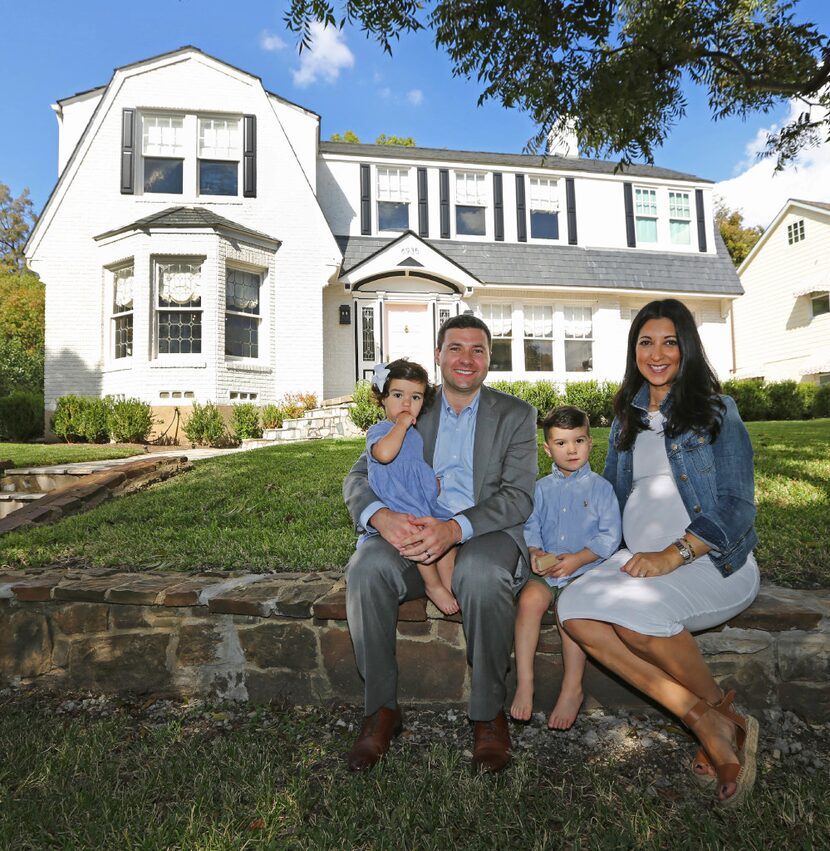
823 204
401 152
184 217
517 265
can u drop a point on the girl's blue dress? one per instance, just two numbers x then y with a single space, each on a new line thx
407 483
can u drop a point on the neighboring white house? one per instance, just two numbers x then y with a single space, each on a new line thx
202 243
782 322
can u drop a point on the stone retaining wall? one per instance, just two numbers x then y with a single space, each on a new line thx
284 636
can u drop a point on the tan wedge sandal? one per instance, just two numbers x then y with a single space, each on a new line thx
701 758
741 773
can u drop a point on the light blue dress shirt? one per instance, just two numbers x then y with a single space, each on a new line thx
573 512
453 464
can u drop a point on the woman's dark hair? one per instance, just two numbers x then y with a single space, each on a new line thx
695 403
408 371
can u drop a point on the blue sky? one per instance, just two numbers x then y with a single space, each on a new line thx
54 48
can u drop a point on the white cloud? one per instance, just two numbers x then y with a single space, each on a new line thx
415 97
760 193
326 57
385 92
270 41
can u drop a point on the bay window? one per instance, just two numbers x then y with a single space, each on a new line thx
122 312
242 313
179 307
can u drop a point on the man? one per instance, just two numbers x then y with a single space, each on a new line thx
482 445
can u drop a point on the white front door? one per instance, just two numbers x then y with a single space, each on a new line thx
408 333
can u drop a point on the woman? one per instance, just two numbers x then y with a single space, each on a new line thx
680 461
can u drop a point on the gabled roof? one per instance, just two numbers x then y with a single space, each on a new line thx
177 218
821 207
553 163
569 266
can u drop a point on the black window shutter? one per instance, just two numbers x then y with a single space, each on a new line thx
423 206
249 156
630 232
701 221
365 200
444 201
127 151
521 212
570 203
498 206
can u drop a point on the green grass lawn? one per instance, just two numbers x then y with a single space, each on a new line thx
42 455
281 508
119 776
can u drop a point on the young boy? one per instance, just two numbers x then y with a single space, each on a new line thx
575 524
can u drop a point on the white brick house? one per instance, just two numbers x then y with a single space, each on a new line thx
202 243
782 322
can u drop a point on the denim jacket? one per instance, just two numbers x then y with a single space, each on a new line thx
715 479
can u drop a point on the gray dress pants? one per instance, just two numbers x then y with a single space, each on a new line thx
378 579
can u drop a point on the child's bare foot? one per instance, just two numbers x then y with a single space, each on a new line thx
445 600
564 713
522 707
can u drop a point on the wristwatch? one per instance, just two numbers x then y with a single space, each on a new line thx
685 550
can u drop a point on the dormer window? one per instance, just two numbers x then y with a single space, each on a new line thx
544 208
163 152
393 199
219 154
645 214
795 232
680 218
470 204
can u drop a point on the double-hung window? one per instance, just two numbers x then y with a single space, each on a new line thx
499 319
122 312
163 153
538 339
645 214
393 198
680 218
179 307
242 313
579 339
544 208
470 204
219 153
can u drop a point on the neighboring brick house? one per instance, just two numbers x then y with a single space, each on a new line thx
782 322
203 244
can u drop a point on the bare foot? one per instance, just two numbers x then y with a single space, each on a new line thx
442 598
522 707
564 713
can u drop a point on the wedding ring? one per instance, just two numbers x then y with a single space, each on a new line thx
429 554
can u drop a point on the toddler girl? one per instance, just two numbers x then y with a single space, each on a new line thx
398 473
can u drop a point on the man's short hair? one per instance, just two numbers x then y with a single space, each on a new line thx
464 320
567 417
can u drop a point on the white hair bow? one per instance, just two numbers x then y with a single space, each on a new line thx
380 376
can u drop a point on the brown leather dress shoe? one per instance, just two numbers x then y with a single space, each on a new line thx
491 745
374 739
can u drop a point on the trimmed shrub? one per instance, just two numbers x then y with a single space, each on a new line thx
94 419
543 395
593 397
205 426
750 395
66 421
784 401
21 415
271 416
821 401
365 412
807 394
130 421
245 421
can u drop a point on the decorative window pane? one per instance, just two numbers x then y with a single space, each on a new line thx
218 178
122 289
162 135
163 175
241 335
180 284
368 324
122 335
122 312
469 189
499 319
795 232
393 184
242 291
579 333
543 194
443 315
180 332
219 138
242 309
